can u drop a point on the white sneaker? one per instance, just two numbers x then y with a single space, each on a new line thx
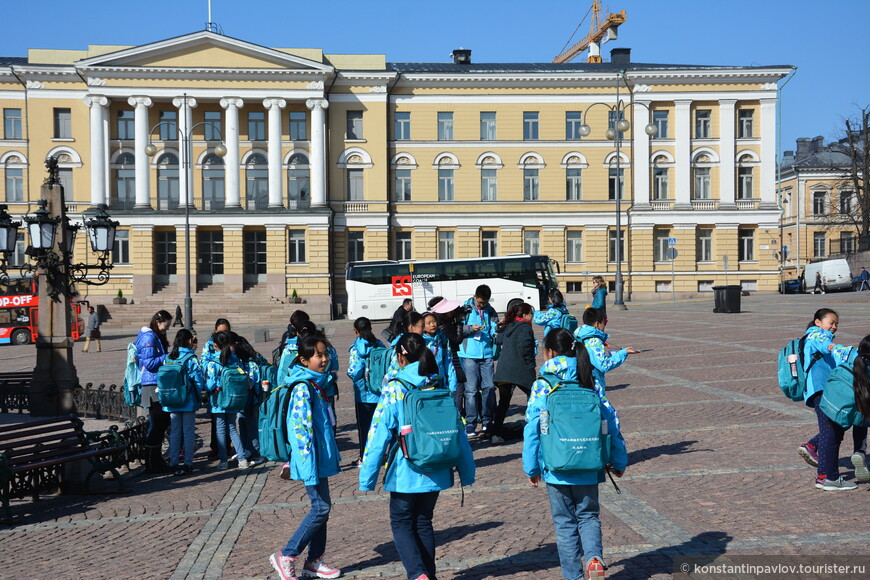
244 464
859 460
284 565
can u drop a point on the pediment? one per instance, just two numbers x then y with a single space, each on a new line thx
203 49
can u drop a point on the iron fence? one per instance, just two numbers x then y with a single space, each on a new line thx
103 402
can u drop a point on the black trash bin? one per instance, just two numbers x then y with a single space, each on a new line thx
727 298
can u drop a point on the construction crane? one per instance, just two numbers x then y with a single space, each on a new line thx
600 32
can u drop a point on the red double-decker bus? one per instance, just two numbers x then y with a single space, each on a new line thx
19 313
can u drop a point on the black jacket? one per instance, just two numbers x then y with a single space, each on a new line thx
516 361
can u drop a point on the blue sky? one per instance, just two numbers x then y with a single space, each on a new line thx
832 79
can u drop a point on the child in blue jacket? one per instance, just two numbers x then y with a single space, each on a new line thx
552 316
412 494
365 401
313 459
225 422
476 351
439 346
573 496
183 417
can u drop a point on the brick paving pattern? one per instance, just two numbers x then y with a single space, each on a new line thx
713 469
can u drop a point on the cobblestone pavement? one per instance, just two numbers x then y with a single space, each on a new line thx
713 470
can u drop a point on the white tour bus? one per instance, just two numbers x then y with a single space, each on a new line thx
375 289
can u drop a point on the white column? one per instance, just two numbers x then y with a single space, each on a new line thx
727 167
97 104
318 150
768 153
231 161
640 163
683 154
276 191
185 148
143 163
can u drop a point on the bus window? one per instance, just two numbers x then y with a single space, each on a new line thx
5 317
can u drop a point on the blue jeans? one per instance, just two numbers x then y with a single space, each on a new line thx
578 530
248 429
183 426
227 422
312 531
478 375
411 523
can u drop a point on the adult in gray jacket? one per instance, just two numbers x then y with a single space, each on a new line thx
92 330
516 362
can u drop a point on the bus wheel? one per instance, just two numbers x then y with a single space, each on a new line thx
21 336
514 302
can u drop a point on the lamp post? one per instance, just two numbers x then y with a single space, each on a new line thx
186 155
615 133
52 239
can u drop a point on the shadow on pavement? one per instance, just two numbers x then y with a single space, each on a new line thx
640 455
661 561
541 558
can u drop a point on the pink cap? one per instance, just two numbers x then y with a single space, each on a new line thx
446 306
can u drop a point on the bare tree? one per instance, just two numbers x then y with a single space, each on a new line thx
855 145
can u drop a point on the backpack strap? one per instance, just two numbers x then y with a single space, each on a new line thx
816 355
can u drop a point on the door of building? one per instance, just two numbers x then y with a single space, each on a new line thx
210 257
255 256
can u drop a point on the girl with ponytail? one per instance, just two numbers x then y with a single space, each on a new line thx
365 401
225 423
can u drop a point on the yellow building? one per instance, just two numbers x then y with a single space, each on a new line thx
334 158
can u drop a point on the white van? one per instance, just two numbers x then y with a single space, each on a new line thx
835 275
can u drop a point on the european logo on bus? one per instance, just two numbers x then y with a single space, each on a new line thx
402 285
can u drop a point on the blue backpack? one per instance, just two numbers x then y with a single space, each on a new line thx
574 434
568 322
173 382
132 378
232 392
377 363
792 374
272 423
838 398
433 441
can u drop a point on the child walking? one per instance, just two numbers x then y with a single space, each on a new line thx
314 458
552 315
516 364
573 496
225 421
365 401
183 417
412 494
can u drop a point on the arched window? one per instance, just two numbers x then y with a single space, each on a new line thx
14 170
123 195
745 176
701 170
298 181
167 181
257 182
213 195
661 178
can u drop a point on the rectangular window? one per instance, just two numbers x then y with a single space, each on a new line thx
213 193
445 246
445 185
612 120
14 184
574 246
611 246
574 286
445 126
820 205
530 126
531 185
12 123
355 185
573 184
749 285
704 245
744 182
705 285
211 130
487 126
165 255
63 124
403 246
354 125
660 183
403 185
531 242
702 183
296 246
660 245
744 123
846 198
702 124
17 257
572 126
614 184
660 120
847 242
819 245
65 177
298 126
126 125
488 185
257 126
121 248
663 285
488 244
402 126
746 239
355 247
168 125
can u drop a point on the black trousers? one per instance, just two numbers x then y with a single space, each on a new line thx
505 392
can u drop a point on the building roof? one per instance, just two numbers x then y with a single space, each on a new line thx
12 60
549 67
834 155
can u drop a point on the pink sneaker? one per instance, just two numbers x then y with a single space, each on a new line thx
319 569
285 565
422 577
594 569
285 471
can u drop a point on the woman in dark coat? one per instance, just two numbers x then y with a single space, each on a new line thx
516 362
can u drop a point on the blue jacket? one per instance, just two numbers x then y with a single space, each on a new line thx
194 371
209 353
356 370
332 371
602 358
549 318
287 356
311 428
818 340
478 345
212 370
439 347
389 415
149 354
599 298
564 368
